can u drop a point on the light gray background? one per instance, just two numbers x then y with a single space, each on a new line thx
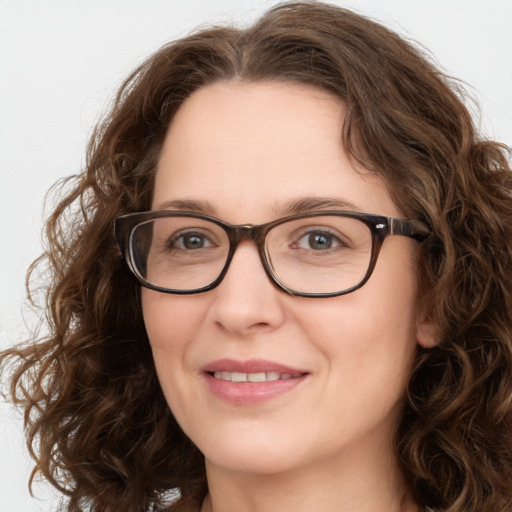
60 63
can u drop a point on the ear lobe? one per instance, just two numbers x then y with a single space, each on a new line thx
427 333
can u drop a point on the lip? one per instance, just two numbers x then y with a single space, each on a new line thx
251 393
249 366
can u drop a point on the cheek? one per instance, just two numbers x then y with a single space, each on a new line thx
170 320
171 324
369 331
355 336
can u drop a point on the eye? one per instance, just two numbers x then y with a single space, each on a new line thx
189 240
318 240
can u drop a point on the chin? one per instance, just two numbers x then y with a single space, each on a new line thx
256 452
253 462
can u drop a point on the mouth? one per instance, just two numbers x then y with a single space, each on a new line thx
254 377
251 382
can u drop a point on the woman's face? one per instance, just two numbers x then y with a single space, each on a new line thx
243 153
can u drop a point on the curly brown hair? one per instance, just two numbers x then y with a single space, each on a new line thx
97 423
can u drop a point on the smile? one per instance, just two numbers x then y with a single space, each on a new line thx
254 377
251 382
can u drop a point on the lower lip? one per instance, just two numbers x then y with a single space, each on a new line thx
251 393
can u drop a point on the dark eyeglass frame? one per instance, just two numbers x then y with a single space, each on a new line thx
380 227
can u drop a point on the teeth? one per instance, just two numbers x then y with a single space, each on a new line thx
257 377
253 377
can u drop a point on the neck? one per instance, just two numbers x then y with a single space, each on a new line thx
362 486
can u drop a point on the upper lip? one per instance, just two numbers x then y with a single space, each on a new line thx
249 366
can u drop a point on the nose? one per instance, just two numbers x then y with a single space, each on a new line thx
246 301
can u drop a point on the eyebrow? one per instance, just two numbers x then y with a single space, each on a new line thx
300 205
187 205
307 204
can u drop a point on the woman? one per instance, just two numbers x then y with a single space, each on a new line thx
286 286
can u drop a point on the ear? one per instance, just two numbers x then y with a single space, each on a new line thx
427 332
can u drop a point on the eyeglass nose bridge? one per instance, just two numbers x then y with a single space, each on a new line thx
251 233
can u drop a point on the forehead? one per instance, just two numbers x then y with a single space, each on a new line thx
249 148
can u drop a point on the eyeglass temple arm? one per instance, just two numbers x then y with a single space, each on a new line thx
408 227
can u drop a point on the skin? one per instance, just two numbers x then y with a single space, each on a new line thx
247 150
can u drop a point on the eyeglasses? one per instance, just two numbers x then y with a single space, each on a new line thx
314 254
